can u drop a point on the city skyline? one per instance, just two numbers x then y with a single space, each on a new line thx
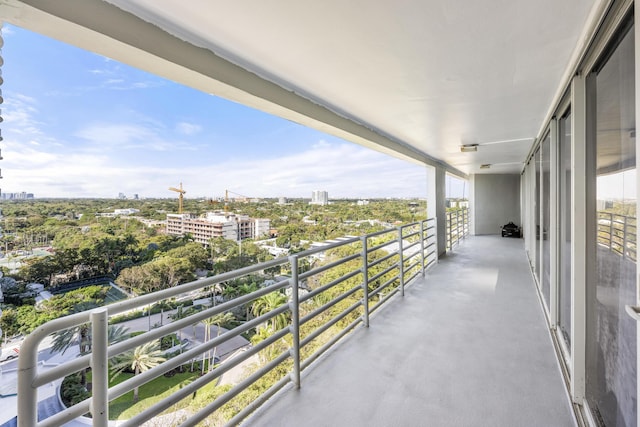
80 125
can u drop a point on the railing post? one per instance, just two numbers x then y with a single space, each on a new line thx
27 372
365 282
465 222
610 231
458 226
99 367
624 237
295 322
435 238
401 261
449 225
422 224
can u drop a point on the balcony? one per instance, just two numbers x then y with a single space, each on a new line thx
460 342
467 345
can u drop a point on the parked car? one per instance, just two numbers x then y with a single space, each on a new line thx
10 351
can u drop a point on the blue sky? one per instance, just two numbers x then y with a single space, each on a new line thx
77 124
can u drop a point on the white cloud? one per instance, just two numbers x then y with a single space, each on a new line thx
343 169
129 136
188 128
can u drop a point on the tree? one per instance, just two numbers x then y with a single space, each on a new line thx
219 320
268 303
140 359
62 340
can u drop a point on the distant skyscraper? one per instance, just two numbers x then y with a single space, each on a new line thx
319 198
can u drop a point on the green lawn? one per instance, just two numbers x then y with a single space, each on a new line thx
124 408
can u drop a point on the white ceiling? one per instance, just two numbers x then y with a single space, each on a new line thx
415 78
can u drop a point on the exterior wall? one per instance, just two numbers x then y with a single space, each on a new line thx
216 225
496 202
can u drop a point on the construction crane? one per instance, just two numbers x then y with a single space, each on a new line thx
226 199
180 192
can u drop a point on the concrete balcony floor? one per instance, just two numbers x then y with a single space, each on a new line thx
467 346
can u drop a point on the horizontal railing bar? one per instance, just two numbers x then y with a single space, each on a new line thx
304 364
383 300
329 285
137 380
147 299
413 276
380 246
329 304
408 236
258 401
380 233
382 273
61 371
409 246
411 224
197 384
383 259
326 267
68 414
377 290
83 361
327 247
412 265
239 388
318 331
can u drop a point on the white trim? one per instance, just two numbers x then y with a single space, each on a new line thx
578 239
554 223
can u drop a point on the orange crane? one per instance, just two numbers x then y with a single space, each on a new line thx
180 192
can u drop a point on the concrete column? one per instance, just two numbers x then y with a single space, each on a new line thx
440 207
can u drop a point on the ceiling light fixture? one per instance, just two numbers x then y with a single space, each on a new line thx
467 148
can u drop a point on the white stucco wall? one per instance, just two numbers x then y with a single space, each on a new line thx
496 201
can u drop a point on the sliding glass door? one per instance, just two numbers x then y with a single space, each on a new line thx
611 334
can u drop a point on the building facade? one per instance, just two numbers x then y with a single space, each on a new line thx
217 224
319 197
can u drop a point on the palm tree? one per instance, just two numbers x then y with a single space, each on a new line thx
217 320
140 359
268 303
62 340
245 289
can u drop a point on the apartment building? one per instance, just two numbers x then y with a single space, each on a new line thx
217 224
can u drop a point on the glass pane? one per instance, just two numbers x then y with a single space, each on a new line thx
564 288
611 333
546 220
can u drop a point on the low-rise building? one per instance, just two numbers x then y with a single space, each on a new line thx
217 224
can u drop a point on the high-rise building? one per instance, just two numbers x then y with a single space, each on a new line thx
319 197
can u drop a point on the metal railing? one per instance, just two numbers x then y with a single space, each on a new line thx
619 234
343 282
457 227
